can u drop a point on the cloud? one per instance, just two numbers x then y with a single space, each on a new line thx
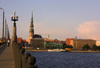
89 30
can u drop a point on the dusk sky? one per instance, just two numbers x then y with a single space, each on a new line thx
60 19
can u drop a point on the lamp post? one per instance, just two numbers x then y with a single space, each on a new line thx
5 30
14 18
8 35
3 24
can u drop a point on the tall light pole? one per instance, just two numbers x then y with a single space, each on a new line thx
5 29
3 24
8 34
0 31
14 18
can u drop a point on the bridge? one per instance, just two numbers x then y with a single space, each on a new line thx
14 56
6 57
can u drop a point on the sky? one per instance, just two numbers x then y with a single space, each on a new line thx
60 19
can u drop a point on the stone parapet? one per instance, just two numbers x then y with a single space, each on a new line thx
23 60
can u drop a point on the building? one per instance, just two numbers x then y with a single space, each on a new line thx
1 40
34 40
50 45
79 43
53 43
68 41
20 41
98 43
37 43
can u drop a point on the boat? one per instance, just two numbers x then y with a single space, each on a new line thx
56 50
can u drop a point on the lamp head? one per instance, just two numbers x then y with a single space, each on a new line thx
17 16
11 16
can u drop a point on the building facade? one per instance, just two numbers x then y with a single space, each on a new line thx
79 43
68 41
37 43
50 45
98 43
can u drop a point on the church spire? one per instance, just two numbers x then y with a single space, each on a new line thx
31 25
31 32
32 16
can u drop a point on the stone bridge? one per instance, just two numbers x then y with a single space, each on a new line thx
14 57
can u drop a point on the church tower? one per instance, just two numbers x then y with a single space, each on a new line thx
31 31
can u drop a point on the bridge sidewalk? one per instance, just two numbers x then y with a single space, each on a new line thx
7 58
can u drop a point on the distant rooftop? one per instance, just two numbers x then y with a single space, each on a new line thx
19 40
84 39
37 36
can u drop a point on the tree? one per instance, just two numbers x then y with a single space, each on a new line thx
98 47
86 47
94 47
69 46
64 45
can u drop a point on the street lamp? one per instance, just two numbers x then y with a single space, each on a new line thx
5 29
14 18
3 25
8 35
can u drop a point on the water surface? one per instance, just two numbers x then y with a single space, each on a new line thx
66 60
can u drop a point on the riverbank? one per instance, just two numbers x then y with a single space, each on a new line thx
37 50
48 50
87 51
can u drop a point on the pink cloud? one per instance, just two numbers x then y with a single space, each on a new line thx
89 30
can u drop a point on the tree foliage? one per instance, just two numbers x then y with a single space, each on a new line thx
64 45
86 47
98 48
69 46
94 47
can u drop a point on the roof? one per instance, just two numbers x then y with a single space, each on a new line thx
70 38
37 36
85 39
37 39
46 39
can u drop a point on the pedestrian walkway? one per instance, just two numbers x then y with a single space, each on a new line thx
7 58
2 48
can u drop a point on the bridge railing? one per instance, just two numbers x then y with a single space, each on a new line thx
22 60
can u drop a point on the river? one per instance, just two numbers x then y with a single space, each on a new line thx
66 60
